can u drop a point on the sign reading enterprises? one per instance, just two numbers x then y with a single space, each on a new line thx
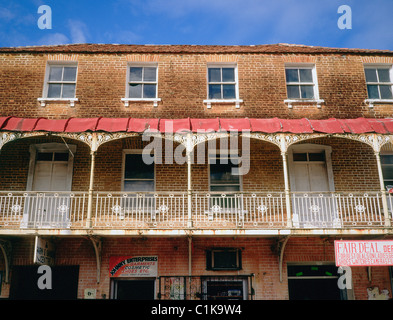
363 253
126 266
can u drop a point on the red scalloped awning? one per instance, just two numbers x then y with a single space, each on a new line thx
272 125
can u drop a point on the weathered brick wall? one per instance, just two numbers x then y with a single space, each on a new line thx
353 163
101 84
259 256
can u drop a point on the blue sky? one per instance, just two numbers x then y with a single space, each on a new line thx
219 22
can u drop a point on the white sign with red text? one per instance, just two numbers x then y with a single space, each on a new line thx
363 253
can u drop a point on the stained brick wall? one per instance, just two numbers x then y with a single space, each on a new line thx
101 83
259 257
353 163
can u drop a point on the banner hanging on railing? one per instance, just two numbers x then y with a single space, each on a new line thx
364 253
126 266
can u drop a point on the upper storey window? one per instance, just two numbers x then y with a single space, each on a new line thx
379 83
142 81
222 84
60 83
301 82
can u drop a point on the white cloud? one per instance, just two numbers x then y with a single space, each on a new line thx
53 39
78 31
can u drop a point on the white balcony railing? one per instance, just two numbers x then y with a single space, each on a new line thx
140 210
337 209
169 210
234 210
30 209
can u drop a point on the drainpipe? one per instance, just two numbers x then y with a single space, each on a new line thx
383 193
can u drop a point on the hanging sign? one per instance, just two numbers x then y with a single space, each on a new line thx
44 252
364 253
126 266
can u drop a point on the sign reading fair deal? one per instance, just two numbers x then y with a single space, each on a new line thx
364 253
126 266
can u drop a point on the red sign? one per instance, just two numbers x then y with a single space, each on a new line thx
126 266
364 253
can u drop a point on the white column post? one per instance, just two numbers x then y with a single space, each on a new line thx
284 153
91 182
383 191
189 149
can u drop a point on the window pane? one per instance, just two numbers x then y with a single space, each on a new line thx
228 91
135 90
373 92
69 74
386 92
149 90
228 74
307 92
54 90
316 156
63 156
292 75
214 74
135 185
300 157
68 91
214 91
383 75
149 74
225 188
387 159
135 168
222 174
136 74
44 156
293 92
371 75
55 73
387 172
305 75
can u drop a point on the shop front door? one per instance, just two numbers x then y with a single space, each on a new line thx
134 289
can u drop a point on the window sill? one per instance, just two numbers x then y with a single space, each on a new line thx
290 102
371 102
45 100
210 101
128 100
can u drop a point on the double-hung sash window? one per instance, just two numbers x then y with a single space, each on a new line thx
138 175
379 82
222 83
61 81
222 169
142 82
301 83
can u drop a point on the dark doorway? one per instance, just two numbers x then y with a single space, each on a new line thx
24 283
314 282
134 289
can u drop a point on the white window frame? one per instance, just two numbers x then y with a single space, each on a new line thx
310 148
127 99
316 100
369 101
236 100
44 99
50 147
134 151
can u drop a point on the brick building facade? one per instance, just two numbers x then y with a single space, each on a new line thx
313 125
